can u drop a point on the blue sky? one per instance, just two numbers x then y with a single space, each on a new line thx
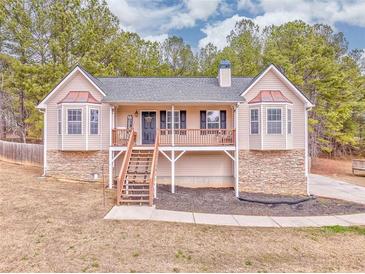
199 22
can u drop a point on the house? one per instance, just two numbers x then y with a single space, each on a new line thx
240 132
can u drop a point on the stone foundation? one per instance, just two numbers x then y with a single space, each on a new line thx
273 172
77 165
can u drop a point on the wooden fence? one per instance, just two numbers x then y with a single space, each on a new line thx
31 154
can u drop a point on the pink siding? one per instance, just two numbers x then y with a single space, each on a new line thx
76 142
295 141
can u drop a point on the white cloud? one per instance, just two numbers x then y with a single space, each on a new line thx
156 38
152 18
216 33
277 12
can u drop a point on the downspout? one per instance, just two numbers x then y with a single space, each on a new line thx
44 141
236 152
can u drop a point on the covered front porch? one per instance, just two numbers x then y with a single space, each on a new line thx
200 143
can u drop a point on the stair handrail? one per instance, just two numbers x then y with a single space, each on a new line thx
153 168
123 170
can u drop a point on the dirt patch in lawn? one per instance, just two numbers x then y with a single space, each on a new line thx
338 169
52 226
223 201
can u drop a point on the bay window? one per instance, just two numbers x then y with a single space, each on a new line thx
74 121
94 121
274 121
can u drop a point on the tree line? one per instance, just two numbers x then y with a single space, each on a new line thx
40 40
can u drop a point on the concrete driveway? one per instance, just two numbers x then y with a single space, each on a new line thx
331 188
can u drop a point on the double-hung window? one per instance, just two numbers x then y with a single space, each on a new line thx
59 121
176 119
94 121
274 121
289 121
254 121
213 119
74 121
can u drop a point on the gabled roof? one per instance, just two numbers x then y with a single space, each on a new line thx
77 68
273 68
172 89
79 97
270 96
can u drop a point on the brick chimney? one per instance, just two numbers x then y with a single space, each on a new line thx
224 73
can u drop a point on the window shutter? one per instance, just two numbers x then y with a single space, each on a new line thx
162 119
183 119
223 115
203 119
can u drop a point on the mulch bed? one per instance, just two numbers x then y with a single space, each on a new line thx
223 201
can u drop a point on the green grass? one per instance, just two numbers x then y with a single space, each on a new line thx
344 229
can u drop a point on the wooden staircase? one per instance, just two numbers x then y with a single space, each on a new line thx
136 181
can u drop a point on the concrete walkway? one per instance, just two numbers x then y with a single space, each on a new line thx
328 187
318 185
152 214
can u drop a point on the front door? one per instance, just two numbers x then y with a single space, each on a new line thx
148 127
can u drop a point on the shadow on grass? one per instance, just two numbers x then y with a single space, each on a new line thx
344 229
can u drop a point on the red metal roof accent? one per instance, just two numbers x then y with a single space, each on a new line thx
79 97
270 96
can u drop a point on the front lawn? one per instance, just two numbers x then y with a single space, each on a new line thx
48 225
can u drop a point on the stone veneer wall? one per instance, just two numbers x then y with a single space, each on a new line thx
273 172
77 165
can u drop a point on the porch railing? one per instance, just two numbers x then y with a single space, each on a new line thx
120 136
197 137
182 137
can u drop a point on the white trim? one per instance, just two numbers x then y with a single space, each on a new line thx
173 132
167 111
164 154
197 148
86 127
110 126
283 78
281 121
63 125
306 146
179 156
42 104
286 127
258 120
236 150
262 126
45 140
229 155
82 121
173 171
111 168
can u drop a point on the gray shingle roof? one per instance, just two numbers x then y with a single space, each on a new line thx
171 89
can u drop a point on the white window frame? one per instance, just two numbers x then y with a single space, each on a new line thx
98 123
289 121
258 121
82 120
59 121
177 114
219 119
267 120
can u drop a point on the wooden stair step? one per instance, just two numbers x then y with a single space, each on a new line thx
135 195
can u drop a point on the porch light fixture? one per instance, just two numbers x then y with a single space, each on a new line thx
136 113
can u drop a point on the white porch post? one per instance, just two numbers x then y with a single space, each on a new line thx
173 149
110 168
45 144
236 162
